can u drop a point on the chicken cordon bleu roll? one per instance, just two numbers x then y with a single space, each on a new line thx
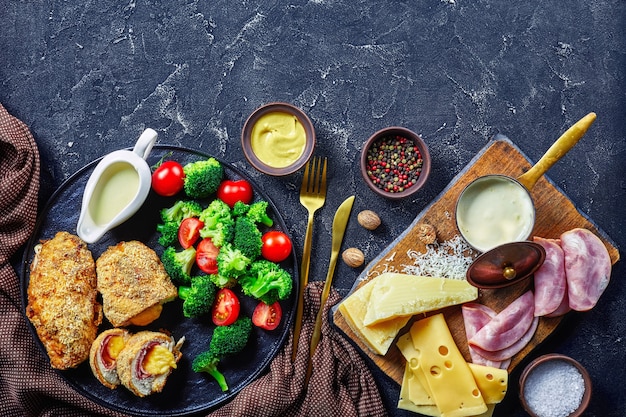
62 299
133 284
103 356
147 360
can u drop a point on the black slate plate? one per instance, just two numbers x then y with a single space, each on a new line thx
185 392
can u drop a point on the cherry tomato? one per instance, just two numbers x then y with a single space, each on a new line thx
225 308
168 179
206 256
267 316
189 231
276 246
231 191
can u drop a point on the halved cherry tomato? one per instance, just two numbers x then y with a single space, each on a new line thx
231 191
168 179
276 246
206 256
267 316
225 307
189 231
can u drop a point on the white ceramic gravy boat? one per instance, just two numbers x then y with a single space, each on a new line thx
116 189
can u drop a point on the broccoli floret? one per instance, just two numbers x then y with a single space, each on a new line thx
226 340
202 178
258 213
178 264
247 238
218 223
222 281
231 262
240 208
171 218
169 233
207 362
198 298
266 281
182 209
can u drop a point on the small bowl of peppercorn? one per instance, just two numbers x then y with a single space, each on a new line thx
395 162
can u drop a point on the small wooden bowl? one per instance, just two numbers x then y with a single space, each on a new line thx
263 166
425 157
536 366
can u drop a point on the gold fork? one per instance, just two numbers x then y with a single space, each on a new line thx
312 197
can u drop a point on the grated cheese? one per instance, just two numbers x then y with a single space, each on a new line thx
450 259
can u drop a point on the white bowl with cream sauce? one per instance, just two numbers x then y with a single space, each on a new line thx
494 210
116 189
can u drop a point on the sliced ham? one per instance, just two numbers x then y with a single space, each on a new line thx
563 309
550 282
514 349
587 267
508 327
475 317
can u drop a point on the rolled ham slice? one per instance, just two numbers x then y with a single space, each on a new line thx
475 317
550 281
508 327
514 349
587 267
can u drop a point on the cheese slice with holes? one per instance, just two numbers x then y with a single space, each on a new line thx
401 295
378 338
449 377
410 385
492 382
415 395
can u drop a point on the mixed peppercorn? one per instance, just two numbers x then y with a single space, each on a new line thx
394 163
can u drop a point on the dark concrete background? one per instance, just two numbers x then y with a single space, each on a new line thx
88 77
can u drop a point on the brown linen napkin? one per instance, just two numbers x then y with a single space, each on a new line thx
341 383
28 385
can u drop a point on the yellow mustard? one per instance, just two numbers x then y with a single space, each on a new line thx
278 139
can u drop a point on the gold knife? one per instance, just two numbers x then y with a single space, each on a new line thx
340 222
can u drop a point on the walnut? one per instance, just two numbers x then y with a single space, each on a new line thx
426 233
368 219
353 257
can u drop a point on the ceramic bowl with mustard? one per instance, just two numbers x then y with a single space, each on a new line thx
278 139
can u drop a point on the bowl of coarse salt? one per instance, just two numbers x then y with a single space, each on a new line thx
555 385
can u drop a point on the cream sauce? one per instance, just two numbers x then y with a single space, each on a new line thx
116 188
493 211
278 139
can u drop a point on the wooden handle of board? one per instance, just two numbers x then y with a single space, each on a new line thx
562 145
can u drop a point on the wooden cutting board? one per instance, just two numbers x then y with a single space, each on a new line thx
555 214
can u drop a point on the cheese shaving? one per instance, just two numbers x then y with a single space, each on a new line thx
450 259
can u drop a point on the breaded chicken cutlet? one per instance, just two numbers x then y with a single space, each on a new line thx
62 299
133 284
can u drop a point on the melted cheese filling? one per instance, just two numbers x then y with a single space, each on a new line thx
159 360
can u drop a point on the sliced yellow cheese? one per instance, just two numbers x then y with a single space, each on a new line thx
377 338
401 295
492 382
419 391
411 389
449 377
410 386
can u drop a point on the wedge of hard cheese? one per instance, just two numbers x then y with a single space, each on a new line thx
379 337
402 295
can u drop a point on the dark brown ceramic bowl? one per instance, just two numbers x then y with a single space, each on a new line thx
419 181
263 166
553 397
